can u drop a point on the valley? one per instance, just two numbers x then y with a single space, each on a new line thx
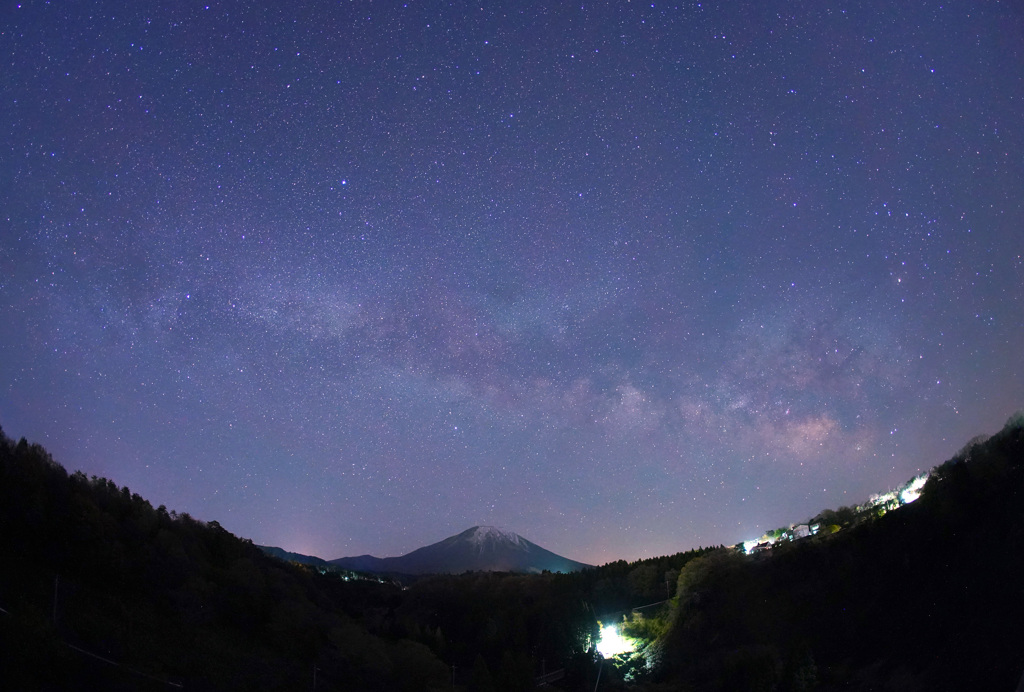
97 585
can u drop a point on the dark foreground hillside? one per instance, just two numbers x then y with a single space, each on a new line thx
928 597
100 591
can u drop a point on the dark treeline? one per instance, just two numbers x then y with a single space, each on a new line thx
100 590
927 597
505 629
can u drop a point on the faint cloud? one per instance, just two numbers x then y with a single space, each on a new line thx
631 410
318 313
804 438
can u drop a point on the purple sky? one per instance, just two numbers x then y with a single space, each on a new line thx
625 278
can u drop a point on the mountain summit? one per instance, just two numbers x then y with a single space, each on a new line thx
479 549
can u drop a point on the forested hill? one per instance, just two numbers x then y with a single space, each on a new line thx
99 590
927 597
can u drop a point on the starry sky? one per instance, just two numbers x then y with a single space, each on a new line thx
626 278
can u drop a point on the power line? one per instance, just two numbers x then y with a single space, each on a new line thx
118 665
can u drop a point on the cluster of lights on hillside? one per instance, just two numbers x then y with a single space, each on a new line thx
883 503
913 489
611 642
899 497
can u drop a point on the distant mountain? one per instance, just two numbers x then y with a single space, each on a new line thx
479 549
283 554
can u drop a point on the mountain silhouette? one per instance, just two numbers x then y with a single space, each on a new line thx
479 549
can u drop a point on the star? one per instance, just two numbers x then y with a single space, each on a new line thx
567 297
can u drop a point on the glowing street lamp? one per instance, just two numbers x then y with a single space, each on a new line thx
611 643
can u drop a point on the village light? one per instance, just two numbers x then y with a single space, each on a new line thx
611 643
913 489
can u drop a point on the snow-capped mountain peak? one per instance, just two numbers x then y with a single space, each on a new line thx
479 549
484 535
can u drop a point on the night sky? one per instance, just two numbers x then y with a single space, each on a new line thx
623 278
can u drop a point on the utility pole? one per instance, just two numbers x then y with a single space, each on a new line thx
56 586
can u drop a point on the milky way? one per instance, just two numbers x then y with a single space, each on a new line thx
624 278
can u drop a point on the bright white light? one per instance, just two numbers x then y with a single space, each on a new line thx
913 490
612 643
